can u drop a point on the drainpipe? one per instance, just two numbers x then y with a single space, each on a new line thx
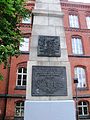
6 90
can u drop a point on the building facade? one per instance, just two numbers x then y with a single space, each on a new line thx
77 30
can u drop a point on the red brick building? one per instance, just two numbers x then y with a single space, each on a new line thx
77 29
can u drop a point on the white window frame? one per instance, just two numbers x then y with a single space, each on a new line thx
24 46
77 46
88 22
27 20
82 106
20 109
80 73
22 74
73 21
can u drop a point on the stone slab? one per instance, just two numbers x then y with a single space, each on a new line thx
29 80
55 110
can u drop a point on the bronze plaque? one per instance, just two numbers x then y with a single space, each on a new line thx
49 46
49 81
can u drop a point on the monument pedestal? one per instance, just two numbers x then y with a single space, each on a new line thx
49 84
50 110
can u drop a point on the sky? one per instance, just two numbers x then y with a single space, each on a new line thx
85 1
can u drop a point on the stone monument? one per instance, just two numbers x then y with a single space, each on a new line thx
49 87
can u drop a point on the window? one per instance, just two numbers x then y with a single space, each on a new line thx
21 76
19 109
80 74
27 20
83 108
24 46
88 22
77 47
73 20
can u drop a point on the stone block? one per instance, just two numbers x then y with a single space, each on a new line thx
55 21
62 42
34 41
43 30
41 6
54 7
39 20
55 110
60 31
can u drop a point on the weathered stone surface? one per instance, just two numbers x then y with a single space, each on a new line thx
41 6
41 20
53 4
49 81
44 30
55 21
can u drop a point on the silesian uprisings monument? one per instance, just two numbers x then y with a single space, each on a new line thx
49 87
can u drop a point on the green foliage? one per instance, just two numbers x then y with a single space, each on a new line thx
10 36
1 77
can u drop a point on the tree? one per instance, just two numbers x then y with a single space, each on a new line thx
11 12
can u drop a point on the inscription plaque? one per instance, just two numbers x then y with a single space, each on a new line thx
49 81
49 46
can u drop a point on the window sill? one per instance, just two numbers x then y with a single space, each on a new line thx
24 52
74 27
20 88
84 117
18 118
82 89
25 24
76 55
79 55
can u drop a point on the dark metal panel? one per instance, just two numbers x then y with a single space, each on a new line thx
49 81
49 46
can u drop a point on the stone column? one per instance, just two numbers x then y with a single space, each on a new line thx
49 87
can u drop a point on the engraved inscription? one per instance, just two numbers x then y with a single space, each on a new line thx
49 46
49 81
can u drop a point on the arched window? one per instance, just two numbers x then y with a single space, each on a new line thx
19 109
77 47
73 21
81 75
83 108
21 76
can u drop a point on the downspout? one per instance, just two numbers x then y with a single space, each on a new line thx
7 87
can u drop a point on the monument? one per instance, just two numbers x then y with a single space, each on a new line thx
49 86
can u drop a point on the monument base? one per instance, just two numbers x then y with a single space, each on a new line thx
50 110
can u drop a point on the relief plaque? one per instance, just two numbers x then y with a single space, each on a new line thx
49 81
49 46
